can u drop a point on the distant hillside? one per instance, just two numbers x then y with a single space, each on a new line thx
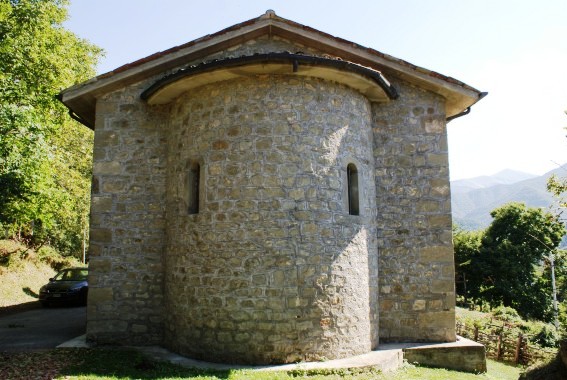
474 199
505 177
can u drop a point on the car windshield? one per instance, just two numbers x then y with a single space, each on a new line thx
72 275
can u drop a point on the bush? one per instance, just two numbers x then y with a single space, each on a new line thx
51 257
505 321
507 314
11 252
545 337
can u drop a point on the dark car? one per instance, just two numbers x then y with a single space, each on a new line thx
68 286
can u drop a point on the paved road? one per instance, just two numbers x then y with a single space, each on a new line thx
41 328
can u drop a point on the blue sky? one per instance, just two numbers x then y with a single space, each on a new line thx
515 50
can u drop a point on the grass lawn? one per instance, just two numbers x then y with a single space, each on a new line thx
96 364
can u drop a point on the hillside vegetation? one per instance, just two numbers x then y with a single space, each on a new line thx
542 339
538 333
23 271
45 156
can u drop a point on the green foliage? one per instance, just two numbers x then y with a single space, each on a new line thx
546 337
44 156
506 314
516 243
51 257
502 264
8 250
13 254
467 247
558 187
506 321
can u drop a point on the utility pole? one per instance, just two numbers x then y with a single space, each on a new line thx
555 312
85 247
551 259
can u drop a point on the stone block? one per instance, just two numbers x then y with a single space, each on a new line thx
419 305
95 250
220 145
433 124
107 168
439 221
387 305
428 206
101 204
100 295
100 265
101 235
113 186
437 159
437 320
437 254
446 285
435 305
104 138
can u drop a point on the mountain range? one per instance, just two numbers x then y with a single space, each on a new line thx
473 199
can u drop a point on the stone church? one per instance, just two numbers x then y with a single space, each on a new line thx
268 194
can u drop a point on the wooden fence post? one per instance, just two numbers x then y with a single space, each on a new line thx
499 348
476 334
517 356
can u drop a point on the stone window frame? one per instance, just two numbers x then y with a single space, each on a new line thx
362 183
194 186
353 189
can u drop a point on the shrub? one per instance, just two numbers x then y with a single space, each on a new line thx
507 314
545 337
51 257
11 252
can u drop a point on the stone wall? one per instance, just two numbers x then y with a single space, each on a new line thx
127 234
273 268
416 277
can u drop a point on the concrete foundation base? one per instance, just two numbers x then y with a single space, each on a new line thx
462 355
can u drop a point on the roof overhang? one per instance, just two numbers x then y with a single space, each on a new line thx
81 99
370 83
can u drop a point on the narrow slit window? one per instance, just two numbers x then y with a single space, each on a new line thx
194 176
352 186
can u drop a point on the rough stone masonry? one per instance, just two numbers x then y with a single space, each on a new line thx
270 194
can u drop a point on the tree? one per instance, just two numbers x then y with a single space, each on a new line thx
558 187
44 156
467 248
504 262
